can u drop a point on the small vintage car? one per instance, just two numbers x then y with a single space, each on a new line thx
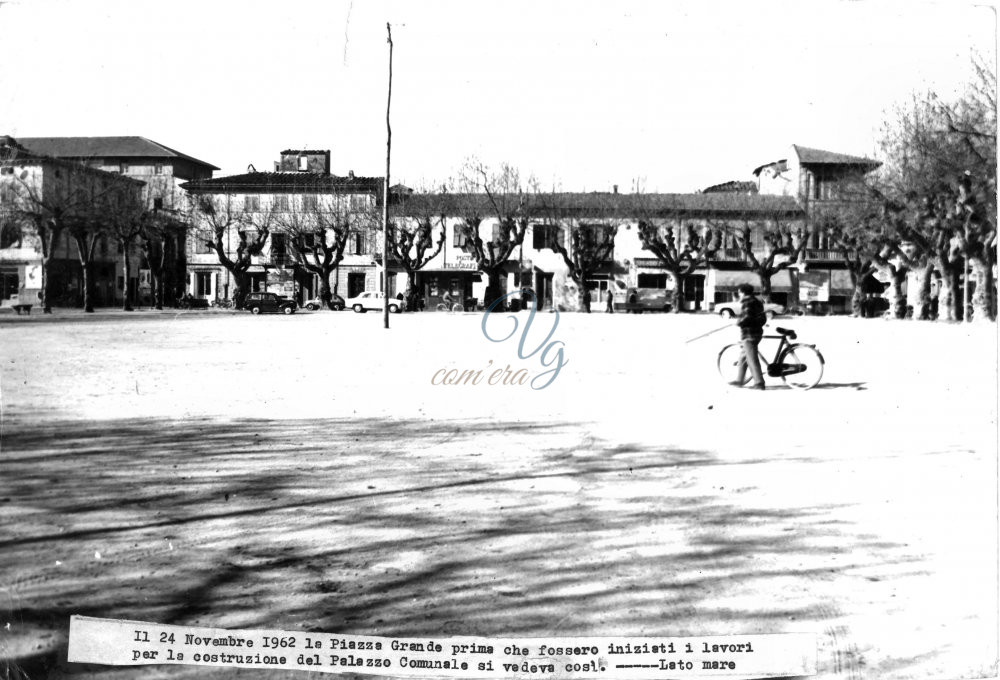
336 303
373 300
264 303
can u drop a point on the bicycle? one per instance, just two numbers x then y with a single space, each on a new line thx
442 307
222 303
797 364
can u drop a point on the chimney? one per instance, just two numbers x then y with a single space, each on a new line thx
616 188
350 174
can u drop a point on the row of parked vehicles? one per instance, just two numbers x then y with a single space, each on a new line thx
266 302
272 303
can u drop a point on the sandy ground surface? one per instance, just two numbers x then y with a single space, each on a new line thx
303 473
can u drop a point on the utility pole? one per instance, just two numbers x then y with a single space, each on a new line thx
385 191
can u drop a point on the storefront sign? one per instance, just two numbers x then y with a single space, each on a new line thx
462 262
814 286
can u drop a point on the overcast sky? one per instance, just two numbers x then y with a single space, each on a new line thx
585 95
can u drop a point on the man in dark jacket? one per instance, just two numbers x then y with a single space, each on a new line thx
751 323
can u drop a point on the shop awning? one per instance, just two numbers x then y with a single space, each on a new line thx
782 281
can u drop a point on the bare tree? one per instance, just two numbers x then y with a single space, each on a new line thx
590 244
509 201
218 219
411 236
319 234
942 155
681 249
159 241
127 217
50 209
779 240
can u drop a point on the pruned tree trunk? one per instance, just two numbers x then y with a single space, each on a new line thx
85 251
983 297
583 296
922 300
411 291
46 294
241 287
897 299
325 293
126 298
492 287
677 294
88 299
765 286
856 299
948 302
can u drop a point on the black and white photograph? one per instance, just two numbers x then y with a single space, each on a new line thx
659 335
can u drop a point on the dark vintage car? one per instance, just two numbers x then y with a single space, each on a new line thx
265 303
336 303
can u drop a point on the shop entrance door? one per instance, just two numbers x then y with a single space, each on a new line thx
694 291
355 284
543 290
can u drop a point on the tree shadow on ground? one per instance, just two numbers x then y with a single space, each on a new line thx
833 386
401 528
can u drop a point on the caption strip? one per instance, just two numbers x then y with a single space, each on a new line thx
128 643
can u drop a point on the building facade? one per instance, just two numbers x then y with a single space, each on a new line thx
291 203
628 268
37 191
162 170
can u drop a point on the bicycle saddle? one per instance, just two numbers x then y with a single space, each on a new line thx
787 331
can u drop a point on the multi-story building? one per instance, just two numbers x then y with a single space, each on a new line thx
786 195
284 200
822 182
161 169
39 189
537 263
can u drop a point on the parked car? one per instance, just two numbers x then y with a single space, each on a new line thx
732 309
336 302
263 303
647 299
371 299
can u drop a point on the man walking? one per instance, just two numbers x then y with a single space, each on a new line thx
751 323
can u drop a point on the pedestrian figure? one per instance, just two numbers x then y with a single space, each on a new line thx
611 302
751 322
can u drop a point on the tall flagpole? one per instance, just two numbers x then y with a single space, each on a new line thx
385 191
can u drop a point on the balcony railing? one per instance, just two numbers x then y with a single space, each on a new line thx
824 254
729 255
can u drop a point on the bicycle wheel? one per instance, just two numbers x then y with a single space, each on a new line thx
802 366
730 359
442 308
457 308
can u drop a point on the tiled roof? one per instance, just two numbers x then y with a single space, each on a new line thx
818 156
309 151
618 205
734 186
283 182
104 147
12 153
